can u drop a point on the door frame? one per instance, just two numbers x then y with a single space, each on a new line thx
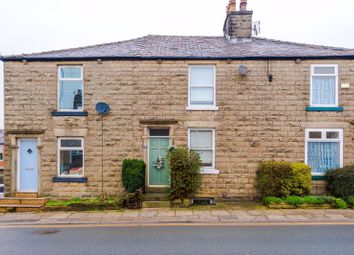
18 182
148 160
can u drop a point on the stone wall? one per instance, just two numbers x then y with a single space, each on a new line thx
257 120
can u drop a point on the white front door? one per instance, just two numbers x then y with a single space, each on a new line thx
28 165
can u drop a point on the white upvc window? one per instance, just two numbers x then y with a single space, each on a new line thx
324 86
202 141
70 88
70 157
202 88
324 150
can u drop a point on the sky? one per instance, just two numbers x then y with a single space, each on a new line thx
28 26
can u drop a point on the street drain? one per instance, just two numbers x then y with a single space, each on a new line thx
46 231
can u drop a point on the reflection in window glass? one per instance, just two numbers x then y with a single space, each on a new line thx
70 88
71 157
201 141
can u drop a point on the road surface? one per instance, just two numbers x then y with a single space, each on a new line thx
203 240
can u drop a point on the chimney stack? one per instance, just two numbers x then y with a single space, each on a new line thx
238 24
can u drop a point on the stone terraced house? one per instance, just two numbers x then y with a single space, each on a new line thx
236 99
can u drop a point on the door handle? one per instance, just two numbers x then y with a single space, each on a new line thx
29 169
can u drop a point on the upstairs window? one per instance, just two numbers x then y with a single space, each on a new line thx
201 87
324 149
324 85
70 88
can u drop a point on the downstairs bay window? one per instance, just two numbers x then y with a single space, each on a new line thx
70 157
324 150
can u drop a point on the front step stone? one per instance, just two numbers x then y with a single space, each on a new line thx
156 204
156 197
26 194
16 204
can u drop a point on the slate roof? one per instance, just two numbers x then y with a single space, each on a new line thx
191 47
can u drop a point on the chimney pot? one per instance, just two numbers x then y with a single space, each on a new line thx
243 5
231 7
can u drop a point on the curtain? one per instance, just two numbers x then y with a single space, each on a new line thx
322 156
323 90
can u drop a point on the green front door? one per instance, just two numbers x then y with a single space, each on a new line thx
159 174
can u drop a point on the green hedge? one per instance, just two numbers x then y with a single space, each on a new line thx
133 174
351 201
298 201
340 182
185 167
282 179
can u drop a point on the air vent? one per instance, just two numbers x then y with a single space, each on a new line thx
202 201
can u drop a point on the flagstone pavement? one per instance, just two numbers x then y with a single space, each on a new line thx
178 216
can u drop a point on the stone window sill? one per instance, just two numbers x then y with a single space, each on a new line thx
210 171
324 109
70 179
72 114
202 108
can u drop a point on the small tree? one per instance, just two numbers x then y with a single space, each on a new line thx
185 167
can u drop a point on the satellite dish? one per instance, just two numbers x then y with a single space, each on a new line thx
102 108
243 70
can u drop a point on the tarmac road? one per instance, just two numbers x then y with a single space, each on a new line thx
155 240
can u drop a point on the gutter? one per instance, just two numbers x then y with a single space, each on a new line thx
49 59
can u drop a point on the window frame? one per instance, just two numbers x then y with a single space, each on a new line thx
70 79
205 169
323 139
324 75
59 148
201 106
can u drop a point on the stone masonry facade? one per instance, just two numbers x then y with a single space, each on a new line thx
257 119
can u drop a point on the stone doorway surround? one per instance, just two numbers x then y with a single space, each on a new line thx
149 124
14 136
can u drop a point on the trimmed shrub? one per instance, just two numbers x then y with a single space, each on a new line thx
340 203
185 167
351 201
314 200
282 179
340 182
294 200
133 174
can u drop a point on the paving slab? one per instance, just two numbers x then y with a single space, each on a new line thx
157 216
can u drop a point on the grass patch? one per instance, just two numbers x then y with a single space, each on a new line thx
90 204
304 202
